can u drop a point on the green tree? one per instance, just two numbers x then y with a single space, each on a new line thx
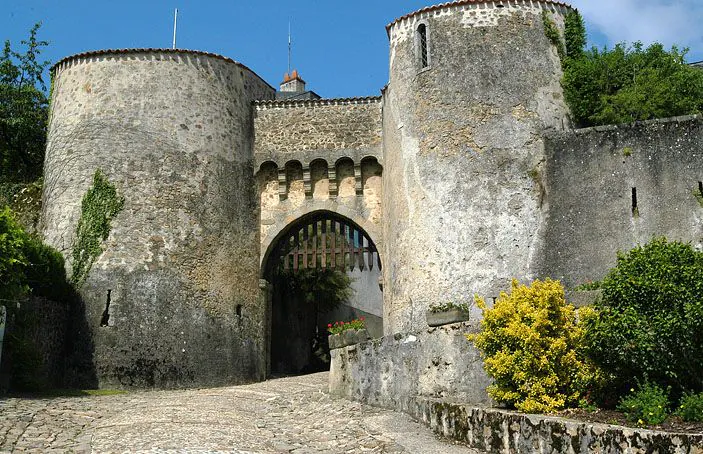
626 83
24 110
574 35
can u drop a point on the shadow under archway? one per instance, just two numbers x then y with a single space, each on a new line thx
321 268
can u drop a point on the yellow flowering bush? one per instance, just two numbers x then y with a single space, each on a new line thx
530 343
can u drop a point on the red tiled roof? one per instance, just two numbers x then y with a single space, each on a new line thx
96 53
464 2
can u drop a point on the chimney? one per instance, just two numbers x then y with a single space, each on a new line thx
292 83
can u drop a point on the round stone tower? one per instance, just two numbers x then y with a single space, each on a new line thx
473 84
173 298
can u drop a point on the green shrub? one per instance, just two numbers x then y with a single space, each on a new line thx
648 405
650 320
691 407
530 343
12 258
27 264
45 272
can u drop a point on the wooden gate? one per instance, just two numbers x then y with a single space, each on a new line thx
326 241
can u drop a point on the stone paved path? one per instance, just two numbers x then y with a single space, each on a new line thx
293 414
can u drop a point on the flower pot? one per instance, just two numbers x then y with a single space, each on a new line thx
446 317
349 337
333 341
362 335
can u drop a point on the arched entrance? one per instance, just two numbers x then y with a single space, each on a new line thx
320 269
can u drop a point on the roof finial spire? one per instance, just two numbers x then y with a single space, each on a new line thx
289 46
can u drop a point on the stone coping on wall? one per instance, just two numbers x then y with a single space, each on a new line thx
292 103
460 3
500 431
632 125
147 50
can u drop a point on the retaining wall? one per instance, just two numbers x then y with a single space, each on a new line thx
387 372
500 431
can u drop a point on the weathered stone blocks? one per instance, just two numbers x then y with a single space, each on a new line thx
178 277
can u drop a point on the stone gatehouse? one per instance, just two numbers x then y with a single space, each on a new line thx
463 174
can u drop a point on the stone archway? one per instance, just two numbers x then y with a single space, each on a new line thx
307 266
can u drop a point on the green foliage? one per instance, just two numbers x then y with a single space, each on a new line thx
647 405
23 111
574 35
595 285
530 344
340 327
13 261
45 273
99 206
448 306
627 84
24 199
691 407
27 264
324 289
649 323
552 33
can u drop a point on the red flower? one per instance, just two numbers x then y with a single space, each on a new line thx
329 325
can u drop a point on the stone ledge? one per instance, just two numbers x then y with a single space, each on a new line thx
495 430
293 103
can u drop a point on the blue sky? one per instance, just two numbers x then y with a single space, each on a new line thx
339 47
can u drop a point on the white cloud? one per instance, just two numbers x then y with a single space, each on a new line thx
669 22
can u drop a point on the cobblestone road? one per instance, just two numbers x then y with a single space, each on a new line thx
293 414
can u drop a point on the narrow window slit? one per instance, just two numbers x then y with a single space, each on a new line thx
422 37
635 210
105 319
700 188
239 310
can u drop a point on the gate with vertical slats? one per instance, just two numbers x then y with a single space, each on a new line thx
324 240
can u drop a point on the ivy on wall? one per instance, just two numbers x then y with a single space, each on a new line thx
552 33
99 206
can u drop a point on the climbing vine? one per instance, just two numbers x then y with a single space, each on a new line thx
99 206
552 33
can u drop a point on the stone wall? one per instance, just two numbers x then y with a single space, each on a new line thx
35 345
589 178
326 129
318 155
464 211
178 279
389 372
500 431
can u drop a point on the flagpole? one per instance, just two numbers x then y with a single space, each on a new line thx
289 46
175 22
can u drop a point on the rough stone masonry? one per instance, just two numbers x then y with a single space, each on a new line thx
464 173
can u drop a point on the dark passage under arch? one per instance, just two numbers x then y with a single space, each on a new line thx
322 268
